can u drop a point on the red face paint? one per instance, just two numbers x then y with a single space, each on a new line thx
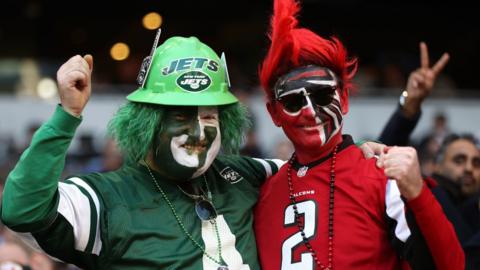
308 108
314 130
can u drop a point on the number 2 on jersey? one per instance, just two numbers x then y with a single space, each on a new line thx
309 210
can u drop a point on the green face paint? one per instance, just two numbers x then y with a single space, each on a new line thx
189 141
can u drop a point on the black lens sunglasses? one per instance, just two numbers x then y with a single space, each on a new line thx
320 95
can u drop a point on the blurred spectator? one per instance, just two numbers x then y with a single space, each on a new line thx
457 167
31 128
427 150
251 148
86 149
29 77
243 95
84 153
4 150
367 79
13 256
440 127
439 130
109 159
446 87
112 158
392 77
40 261
430 143
457 172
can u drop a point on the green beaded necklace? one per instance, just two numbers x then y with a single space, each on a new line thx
220 261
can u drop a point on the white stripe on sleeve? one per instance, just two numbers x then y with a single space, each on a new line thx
396 210
266 166
97 246
278 162
75 207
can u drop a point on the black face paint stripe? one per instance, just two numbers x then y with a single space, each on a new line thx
328 129
194 135
333 123
334 107
330 118
336 110
321 113
336 103
306 76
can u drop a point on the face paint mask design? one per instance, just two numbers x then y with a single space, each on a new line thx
309 108
188 143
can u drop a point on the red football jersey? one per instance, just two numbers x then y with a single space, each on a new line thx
371 227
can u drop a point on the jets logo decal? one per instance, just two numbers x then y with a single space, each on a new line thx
231 175
194 81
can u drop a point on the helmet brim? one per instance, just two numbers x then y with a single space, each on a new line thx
182 98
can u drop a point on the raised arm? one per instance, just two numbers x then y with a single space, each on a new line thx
30 197
419 86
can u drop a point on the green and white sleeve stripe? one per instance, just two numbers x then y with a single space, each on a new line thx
80 206
271 166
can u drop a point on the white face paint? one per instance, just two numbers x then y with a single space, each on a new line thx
210 141
180 154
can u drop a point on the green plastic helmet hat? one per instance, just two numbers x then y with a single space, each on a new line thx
183 71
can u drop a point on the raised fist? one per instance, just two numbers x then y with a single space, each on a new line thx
74 83
401 164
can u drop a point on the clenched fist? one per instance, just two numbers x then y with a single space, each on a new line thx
75 84
401 164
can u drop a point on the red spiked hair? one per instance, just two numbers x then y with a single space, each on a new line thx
293 47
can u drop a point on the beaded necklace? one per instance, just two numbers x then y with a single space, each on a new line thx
330 212
221 264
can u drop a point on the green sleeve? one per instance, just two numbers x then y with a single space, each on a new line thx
30 195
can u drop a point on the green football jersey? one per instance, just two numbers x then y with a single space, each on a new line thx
120 220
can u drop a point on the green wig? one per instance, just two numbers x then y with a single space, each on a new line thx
135 126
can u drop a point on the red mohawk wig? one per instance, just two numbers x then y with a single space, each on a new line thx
294 47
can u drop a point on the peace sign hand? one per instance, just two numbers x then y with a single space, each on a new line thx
421 81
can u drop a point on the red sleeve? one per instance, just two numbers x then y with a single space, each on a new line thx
439 234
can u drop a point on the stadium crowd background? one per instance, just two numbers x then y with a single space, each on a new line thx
36 37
